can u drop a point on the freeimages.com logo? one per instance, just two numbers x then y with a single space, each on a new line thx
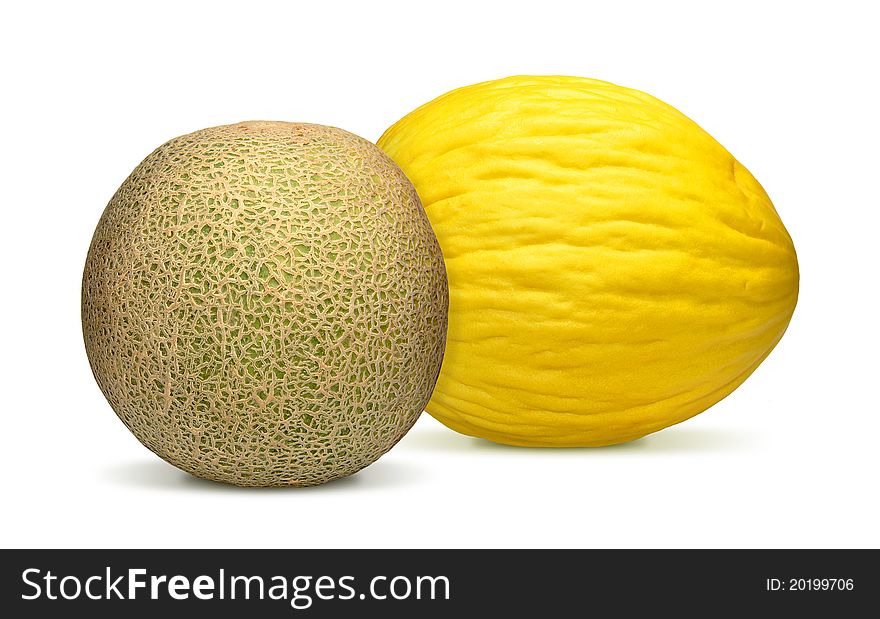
299 591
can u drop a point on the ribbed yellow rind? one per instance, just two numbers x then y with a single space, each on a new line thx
613 270
264 304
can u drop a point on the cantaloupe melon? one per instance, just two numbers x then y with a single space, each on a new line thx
265 303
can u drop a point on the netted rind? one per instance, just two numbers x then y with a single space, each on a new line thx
264 303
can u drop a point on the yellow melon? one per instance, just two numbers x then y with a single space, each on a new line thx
613 270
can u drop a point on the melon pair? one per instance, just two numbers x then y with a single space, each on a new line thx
265 304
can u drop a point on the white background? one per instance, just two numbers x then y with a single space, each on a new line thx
789 460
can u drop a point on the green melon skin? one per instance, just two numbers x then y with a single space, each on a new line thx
264 304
